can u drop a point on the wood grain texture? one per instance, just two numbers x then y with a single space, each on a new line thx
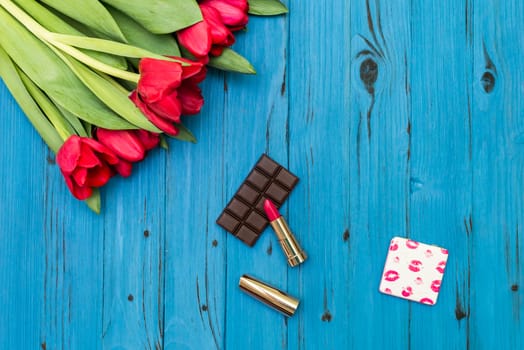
380 155
319 154
400 118
497 126
441 183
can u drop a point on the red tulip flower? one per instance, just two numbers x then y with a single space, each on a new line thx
86 164
129 145
214 32
197 40
124 143
233 12
168 89
220 34
148 139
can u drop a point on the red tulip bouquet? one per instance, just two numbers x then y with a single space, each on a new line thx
103 82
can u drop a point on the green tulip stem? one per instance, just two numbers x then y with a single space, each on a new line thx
96 64
46 36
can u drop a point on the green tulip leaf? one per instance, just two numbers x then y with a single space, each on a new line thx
107 46
92 13
54 77
12 80
163 142
184 134
94 202
61 124
74 121
266 7
160 16
136 35
54 23
232 61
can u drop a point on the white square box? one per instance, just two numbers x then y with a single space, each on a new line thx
413 270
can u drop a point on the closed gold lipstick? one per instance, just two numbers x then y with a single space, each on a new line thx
295 255
269 295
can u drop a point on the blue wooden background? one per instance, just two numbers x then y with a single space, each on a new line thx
400 118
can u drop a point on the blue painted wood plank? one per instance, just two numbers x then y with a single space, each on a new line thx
73 268
379 156
498 158
441 178
133 256
22 261
319 146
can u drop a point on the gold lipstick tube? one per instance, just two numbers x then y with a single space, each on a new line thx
269 295
295 255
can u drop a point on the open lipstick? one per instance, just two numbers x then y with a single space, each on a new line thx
295 255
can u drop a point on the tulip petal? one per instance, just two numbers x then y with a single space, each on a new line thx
159 122
81 192
124 143
169 107
233 13
149 139
191 97
158 78
216 50
102 150
88 158
68 154
198 77
191 68
80 176
220 34
196 39
99 176
123 168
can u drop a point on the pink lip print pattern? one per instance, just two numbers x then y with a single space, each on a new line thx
413 270
406 292
435 286
391 276
426 301
415 265
441 266
411 244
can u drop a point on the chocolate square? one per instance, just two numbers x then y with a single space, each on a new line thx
244 215
258 180
260 204
257 221
287 179
247 235
267 165
237 208
228 222
277 193
248 194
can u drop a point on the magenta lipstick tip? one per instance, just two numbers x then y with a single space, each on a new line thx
271 211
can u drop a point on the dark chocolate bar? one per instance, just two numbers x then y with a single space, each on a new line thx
244 215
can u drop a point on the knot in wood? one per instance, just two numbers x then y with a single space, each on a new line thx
369 74
488 82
